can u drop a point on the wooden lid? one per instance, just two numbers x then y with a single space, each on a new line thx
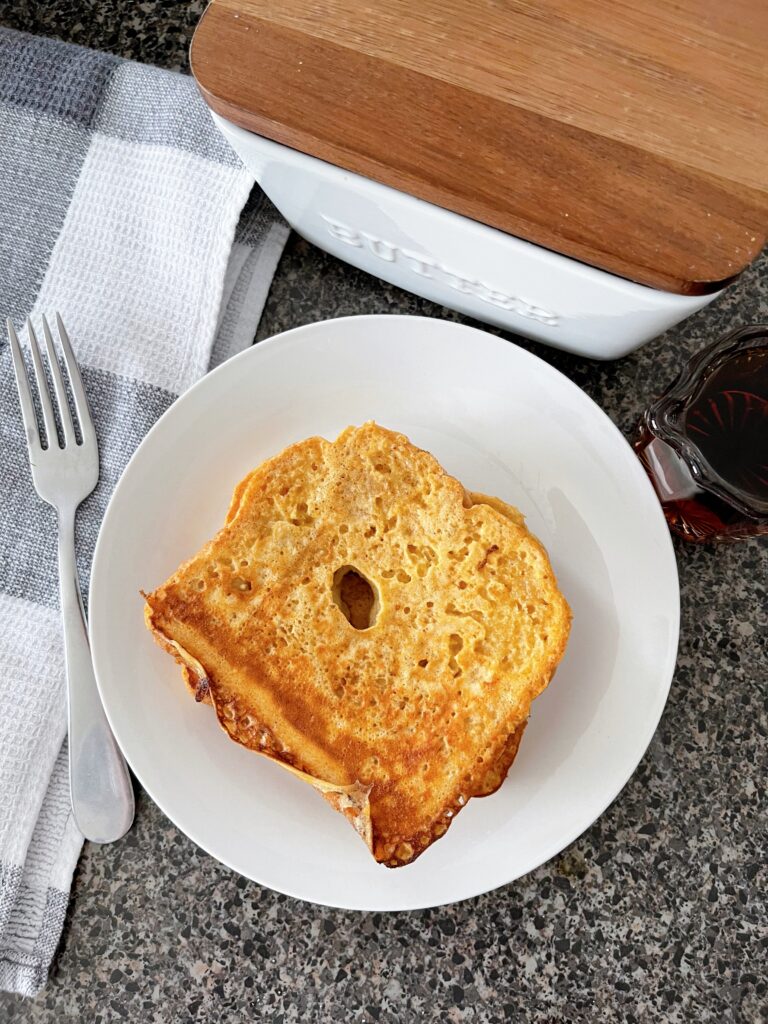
632 136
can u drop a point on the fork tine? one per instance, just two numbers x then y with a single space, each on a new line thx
59 387
49 421
78 391
22 385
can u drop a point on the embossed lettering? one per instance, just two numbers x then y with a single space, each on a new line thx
419 263
536 313
342 232
460 283
426 266
384 250
496 298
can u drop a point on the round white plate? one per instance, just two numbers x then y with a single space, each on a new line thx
504 423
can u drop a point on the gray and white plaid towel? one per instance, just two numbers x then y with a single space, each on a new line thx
120 206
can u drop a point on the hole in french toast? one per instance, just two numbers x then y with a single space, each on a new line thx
355 596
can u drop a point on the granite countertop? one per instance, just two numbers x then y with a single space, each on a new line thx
656 913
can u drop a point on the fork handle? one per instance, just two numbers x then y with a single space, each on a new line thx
100 786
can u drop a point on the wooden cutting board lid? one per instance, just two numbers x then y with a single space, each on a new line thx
632 136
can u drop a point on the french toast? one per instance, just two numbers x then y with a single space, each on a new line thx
367 623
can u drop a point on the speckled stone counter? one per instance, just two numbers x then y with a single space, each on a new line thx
657 913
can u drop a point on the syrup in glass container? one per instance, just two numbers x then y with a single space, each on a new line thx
704 442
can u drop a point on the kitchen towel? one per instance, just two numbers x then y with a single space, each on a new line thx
123 208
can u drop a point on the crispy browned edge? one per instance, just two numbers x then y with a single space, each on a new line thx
351 801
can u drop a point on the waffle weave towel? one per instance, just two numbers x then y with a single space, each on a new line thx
122 208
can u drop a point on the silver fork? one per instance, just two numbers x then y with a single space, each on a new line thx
101 791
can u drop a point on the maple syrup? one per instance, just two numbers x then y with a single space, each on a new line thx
704 442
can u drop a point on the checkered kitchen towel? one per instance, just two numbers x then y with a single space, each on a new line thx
120 206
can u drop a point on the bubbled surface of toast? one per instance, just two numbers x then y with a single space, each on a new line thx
400 723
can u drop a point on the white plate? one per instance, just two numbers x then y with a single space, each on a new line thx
503 422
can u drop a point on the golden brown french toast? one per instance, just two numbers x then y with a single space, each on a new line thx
367 623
